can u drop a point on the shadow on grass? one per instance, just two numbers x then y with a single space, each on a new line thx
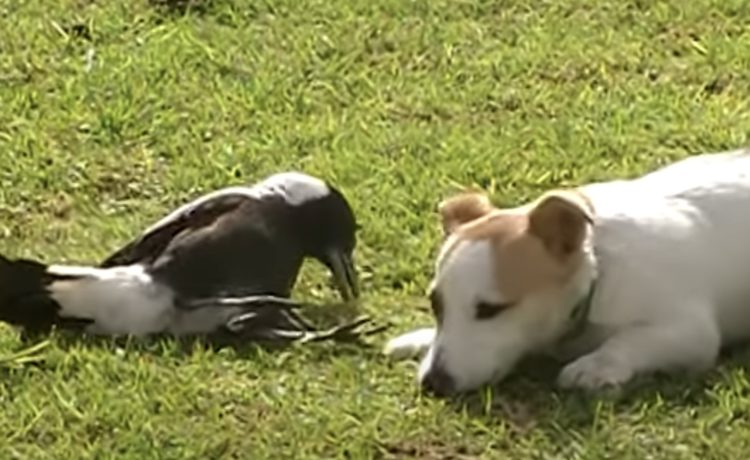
181 7
342 325
530 400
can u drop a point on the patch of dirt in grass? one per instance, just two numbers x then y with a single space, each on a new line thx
427 450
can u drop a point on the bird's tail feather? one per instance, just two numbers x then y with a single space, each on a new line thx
24 300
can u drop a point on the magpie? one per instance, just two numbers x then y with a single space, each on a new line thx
225 258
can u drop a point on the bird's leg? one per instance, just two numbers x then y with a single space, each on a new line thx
268 318
252 301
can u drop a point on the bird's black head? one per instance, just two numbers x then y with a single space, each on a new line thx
329 234
325 224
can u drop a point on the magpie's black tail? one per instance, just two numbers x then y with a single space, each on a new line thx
24 300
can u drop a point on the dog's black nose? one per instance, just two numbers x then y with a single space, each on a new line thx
438 382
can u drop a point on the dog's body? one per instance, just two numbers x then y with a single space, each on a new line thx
659 265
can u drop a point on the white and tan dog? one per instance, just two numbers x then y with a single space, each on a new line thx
617 278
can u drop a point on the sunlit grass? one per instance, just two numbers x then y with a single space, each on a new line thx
111 113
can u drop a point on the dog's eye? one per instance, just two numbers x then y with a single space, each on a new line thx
488 310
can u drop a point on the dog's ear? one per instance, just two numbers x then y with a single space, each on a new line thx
559 219
462 208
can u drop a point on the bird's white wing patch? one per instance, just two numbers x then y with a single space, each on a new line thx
120 300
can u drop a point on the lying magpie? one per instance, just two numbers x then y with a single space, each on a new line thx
227 257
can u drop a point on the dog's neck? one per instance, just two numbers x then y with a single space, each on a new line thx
579 333
574 320
579 316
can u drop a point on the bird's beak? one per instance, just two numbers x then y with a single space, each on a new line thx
344 274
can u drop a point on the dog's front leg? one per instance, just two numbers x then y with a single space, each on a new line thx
688 344
410 345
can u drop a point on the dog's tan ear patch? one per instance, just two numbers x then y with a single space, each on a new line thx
559 219
462 208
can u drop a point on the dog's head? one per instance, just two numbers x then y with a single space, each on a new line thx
506 282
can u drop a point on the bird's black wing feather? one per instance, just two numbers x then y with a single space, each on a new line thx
244 251
227 243
199 213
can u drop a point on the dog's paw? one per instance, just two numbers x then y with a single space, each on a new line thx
594 371
411 344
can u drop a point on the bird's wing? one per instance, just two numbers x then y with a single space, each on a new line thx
197 214
227 243
243 251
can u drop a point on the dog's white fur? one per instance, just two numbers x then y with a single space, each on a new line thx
669 254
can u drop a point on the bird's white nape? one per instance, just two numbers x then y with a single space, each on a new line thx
296 187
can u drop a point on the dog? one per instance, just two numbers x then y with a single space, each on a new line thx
616 279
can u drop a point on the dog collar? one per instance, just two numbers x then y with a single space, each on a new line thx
580 314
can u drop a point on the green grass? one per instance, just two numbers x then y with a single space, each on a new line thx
113 112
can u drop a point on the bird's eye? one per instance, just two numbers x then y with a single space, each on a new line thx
488 310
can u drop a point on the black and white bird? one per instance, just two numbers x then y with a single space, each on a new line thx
198 268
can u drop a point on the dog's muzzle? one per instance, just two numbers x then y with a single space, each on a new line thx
438 382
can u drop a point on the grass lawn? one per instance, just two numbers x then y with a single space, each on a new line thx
113 112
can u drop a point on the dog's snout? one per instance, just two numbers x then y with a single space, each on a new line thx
438 382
